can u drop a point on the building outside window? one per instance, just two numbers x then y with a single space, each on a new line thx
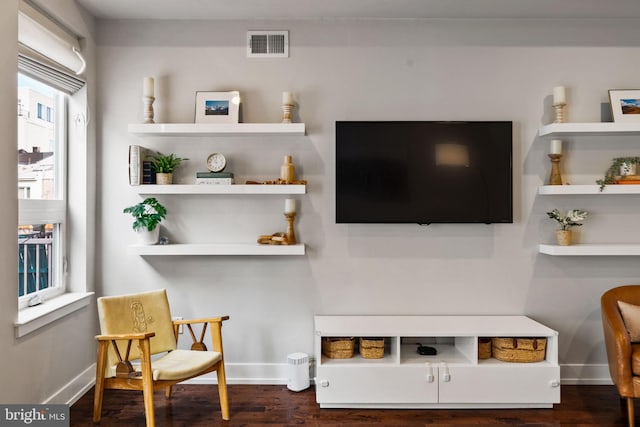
41 190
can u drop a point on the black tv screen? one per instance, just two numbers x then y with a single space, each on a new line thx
424 172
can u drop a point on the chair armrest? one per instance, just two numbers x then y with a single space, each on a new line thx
201 320
125 336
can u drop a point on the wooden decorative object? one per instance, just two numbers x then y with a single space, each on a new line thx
148 108
286 113
278 182
291 237
555 178
287 170
560 112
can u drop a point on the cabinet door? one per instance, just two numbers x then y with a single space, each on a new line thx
376 384
504 383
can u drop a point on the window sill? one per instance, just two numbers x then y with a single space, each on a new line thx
32 318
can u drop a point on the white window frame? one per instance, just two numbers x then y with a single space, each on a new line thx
38 211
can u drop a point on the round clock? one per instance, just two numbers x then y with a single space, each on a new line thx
216 162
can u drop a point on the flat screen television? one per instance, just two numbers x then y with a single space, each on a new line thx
424 172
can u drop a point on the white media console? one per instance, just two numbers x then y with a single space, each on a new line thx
454 378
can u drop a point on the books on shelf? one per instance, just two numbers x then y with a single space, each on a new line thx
214 181
214 178
137 156
214 174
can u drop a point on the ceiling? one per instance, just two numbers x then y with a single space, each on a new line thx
365 9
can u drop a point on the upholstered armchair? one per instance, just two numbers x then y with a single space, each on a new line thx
136 327
623 346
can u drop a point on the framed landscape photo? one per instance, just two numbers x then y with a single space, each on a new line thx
217 107
625 105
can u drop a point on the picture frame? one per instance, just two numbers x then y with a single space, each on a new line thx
217 107
625 105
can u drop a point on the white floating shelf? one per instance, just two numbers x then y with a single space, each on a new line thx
217 129
218 249
221 189
549 190
559 129
592 250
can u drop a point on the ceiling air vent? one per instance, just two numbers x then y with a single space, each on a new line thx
267 44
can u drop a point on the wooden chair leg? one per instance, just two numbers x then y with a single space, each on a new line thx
222 391
167 392
147 382
630 414
99 388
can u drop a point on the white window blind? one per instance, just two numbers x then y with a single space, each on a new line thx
47 51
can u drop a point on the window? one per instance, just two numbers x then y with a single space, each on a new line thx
42 191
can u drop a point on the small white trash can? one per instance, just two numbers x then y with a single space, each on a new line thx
297 371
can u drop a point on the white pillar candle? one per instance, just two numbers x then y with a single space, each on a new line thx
559 95
287 98
147 86
556 146
290 206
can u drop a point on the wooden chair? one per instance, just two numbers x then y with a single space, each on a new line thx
145 319
623 355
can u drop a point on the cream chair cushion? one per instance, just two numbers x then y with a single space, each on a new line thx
177 364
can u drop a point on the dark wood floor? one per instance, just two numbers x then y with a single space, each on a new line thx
197 405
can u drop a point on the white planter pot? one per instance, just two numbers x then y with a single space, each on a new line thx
628 169
146 237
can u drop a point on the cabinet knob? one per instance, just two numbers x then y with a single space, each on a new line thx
324 383
554 383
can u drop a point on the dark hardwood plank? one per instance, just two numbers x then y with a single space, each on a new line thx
276 406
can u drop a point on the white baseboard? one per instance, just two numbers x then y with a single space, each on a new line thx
585 374
74 389
276 374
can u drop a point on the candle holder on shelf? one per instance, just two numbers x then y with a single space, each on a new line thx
555 178
560 112
286 113
148 108
291 236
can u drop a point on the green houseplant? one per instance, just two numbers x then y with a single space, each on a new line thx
164 165
614 170
147 216
565 222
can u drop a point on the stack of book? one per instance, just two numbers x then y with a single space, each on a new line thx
629 179
214 178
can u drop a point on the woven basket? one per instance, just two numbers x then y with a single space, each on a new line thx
484 348
338 348
520 350
371 348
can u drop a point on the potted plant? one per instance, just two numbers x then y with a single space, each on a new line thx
147 217
164 166
565 222
620 166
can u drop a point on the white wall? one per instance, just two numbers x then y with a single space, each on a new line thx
51 364
368 70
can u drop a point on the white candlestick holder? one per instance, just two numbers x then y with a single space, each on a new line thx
560 112
148 108
286 113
